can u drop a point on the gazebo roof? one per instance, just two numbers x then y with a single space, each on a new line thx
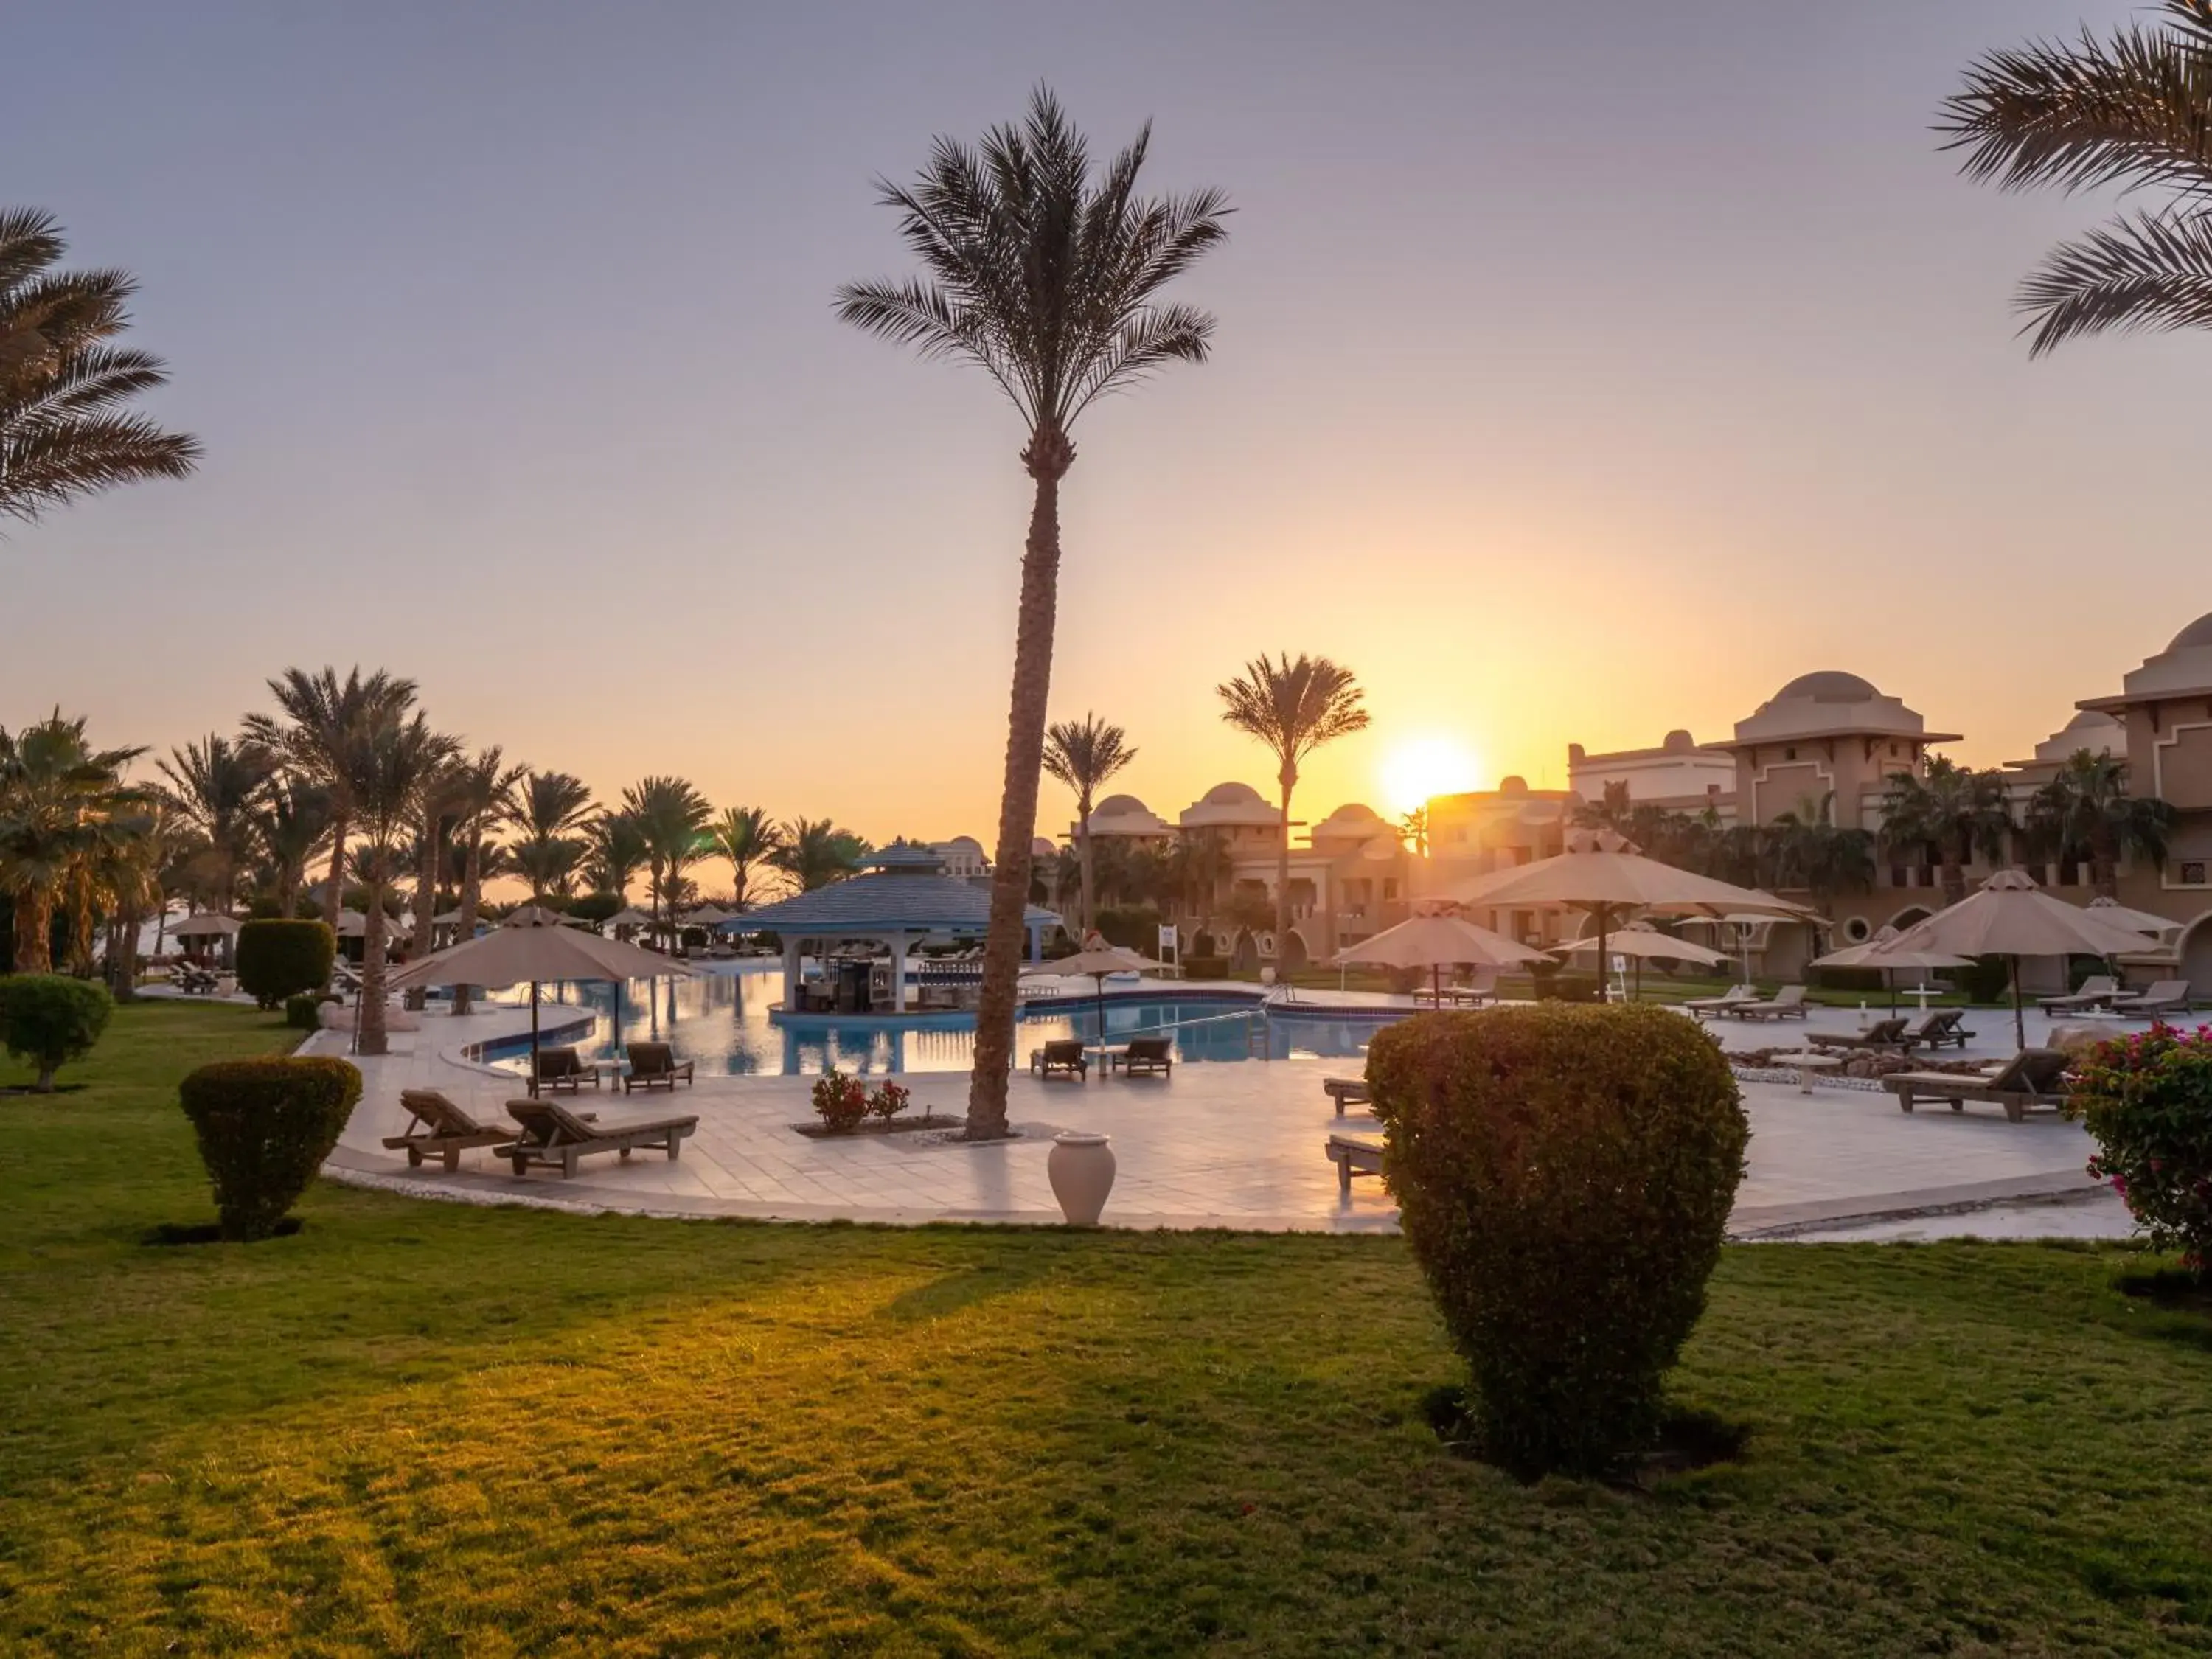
887 903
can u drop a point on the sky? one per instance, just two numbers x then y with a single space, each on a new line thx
1582 373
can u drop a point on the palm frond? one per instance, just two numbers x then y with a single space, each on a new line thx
2143 272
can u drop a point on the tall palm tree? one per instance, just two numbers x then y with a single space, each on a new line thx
291 819
1293 708
816 852
389 767
548 811
1956 809
617 854
129 878
66 428
482 786
432 816
672 818
214 785
60 801
1047 277
746 836
1812 851
1413 830
2087 811
1083 755
323 718
2133 109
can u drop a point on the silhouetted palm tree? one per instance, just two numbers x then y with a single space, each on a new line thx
816 852
1048 278
291 819
616 854
481 788
215 784
65 427
1293 708
2087 810
60 799
670 815
2133 109
1084 755
747 836
1954 809
388 767
549 809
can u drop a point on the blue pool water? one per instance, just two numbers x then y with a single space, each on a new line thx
721 1022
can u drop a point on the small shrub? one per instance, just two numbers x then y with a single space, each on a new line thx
1987 979
1563 1176
280 959
1198 967
304 1012
888 1099
51 1019
1567 987
840 1102
264 1128
1133 927
1869 979
2148 1101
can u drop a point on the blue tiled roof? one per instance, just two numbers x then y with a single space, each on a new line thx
883 904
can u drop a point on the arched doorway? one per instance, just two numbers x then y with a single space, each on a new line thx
2196 952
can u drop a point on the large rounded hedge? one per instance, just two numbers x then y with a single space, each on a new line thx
264 1128
51 1019
278 959
1564 1175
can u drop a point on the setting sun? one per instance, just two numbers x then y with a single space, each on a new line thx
1432 764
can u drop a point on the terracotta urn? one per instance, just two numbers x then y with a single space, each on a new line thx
1081 1168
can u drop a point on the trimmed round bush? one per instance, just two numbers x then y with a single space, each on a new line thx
2148 1100
1564 1175
51 1019
304 1012
278 959
264 1128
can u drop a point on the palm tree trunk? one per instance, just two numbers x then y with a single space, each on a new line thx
472 897
425 905
1047 458
368 1020
1083 856
80 963
2103 868
334 893
1288 779
1954 878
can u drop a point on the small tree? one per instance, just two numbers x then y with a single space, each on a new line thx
1563 1176
51 1019
264 1128
2148 1100
281 959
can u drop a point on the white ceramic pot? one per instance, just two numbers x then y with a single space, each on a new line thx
1081 1168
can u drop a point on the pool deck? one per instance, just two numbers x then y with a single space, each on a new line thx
1218 1145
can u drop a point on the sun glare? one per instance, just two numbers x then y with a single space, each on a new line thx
1432 764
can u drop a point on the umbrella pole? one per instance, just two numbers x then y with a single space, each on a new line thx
533 1039
1099 980
1437 985
2019 1019
1604 968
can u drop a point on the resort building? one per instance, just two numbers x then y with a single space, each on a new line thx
1126 819
962 858
1680 775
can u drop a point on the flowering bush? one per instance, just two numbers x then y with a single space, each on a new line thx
2148 1100
840 1101
888 1099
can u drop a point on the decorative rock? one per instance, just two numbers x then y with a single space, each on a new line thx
1080 1167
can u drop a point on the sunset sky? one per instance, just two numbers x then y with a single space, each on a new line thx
1582 371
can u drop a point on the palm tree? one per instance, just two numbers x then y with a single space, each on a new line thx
290 824
549 810
672 818
745 836
1293 708
1954 809
1049 280
2086 809
432 819
1413 830
324 719
2132 110
481 788
389 767
59 800
129 876
1811 851
214 786
617 854
65 426
816 852
1083 755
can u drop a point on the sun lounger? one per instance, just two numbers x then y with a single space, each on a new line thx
552 1136
2034 1078
438 1126
1882 1034
1061 1058
2096 992
1788 1003
1346 1092
1735 996
1353 1158
1149 1057
654 1065
1937 1027
563 1068
2168 996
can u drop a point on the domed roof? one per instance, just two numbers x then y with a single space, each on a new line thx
2092 719
1354 811
1828 685
2197 633
1119 807
1231 794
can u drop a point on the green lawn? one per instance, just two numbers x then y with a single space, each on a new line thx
435 1429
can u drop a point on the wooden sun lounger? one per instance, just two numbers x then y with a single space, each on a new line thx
1353 1158
2097 991
2033 1080
1882 1034
2168 996
1149 1057
654 1065
1062 1058
563 1068
1937 1027
438 1126
1346 1092
1733 998
1788 1003
554 1136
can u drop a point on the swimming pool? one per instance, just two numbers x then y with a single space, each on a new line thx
720 1021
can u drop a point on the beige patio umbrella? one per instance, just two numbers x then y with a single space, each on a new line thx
2012 917
533 945
205 925
1437 943
1641 943
2141 921
1603 875
1098 959
629 916
1880 951
708 915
